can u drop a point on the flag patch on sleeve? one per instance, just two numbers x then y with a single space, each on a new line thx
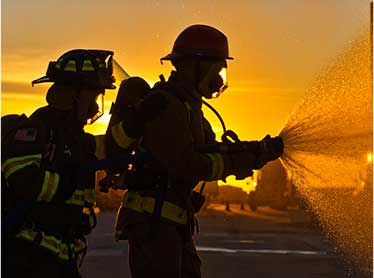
26 134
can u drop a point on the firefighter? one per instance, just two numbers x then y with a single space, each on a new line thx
157 212
46 191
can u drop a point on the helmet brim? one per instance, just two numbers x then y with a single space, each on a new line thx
41 80
45 79
173 56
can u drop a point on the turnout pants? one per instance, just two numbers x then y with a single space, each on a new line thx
23 259
168 256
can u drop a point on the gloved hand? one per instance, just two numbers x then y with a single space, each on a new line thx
271 149
147 109
197 200
239 164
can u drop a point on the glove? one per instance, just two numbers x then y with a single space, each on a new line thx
197 201
271 149
147 109
239 164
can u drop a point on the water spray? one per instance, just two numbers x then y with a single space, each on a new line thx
328 143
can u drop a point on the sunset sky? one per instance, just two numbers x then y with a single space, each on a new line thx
279 48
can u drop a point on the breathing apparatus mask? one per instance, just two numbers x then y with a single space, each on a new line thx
213 78
95 108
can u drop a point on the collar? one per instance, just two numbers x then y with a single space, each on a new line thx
186 91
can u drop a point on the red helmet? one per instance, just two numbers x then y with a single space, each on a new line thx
200 41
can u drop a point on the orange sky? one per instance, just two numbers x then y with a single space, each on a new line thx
279 47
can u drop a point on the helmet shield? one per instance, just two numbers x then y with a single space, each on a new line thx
119 73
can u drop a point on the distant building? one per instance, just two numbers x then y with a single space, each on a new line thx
232 194
273 188
211 188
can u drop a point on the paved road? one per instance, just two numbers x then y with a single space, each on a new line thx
233 244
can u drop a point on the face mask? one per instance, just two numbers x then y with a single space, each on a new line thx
214 82
96 109
90 105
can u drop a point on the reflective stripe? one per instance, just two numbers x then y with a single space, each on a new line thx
53 244
84 198
89 197
217 165
120 136
14 164
100 62
50 185
100 146
77 198
71 66
142 204
28 234
87 66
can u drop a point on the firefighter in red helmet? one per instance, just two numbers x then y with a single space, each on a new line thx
45 189
157 213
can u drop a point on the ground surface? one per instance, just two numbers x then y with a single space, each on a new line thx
236 243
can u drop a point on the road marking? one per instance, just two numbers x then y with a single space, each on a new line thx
245 241
261 251
121 252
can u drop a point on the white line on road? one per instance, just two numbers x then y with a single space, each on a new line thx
120 252
261 251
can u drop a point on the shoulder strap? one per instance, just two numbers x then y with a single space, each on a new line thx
167 87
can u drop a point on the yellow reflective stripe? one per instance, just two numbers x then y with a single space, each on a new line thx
142 204
87 66
51 243
20 158
50 185
217 165
100 146
84 198
89 196
77 198
71 66
75 202
100 62
14 164
173 212
64 252
120 136
27 234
